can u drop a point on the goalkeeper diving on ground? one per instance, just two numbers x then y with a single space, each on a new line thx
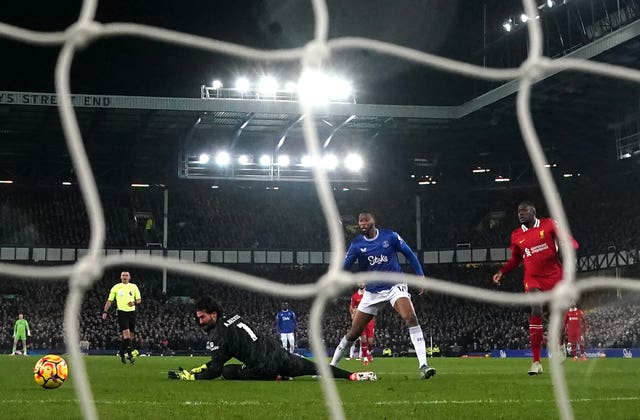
263 358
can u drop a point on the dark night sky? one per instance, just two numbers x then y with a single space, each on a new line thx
453 28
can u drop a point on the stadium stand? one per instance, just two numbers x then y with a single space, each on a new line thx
164 328
239 218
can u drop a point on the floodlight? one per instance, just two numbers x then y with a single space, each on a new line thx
243 160
242 84
203 158
66 183
312 87
353 162
550 3
501 179
268 86
508 25
283 160
524 18
339 89
307 161
290 87
222 159
330 162
136 185
265 160
217 84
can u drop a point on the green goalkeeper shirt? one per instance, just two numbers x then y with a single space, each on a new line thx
21 327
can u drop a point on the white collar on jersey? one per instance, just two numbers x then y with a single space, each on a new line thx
374 238
535 225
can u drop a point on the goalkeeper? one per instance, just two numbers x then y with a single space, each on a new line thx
20 333
263 358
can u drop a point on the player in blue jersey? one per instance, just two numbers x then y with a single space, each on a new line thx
376 250
286 326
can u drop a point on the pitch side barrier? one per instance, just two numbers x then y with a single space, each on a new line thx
591 262
591 353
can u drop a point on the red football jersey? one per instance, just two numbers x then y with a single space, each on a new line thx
536 248
356 297
574 321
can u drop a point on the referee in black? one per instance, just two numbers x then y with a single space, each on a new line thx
263 358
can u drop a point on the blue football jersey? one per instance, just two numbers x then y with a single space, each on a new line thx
286 321
380 254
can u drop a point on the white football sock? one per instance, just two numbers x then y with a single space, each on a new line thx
341 351
417 338
352 350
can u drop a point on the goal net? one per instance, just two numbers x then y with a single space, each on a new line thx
312 57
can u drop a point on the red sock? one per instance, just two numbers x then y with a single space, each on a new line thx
364 346
535 336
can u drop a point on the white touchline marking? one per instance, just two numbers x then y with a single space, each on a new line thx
507 401
255 402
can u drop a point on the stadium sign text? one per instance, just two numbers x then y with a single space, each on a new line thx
51 99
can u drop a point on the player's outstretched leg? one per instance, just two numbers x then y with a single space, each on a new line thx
363 376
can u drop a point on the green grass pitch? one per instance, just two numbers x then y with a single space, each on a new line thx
474 388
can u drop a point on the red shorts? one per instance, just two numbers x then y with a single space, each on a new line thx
542 283
574 337
368 330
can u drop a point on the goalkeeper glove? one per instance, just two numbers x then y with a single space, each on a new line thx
197 369
181 374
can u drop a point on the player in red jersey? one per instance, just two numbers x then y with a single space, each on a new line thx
574 326
534 243
366 339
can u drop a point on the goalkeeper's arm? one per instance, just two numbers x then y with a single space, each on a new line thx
197 373
181 374
209 370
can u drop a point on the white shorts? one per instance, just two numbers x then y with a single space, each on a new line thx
372 301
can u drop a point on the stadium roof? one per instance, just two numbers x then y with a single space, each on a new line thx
133 137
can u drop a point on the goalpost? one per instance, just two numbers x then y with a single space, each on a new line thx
312 57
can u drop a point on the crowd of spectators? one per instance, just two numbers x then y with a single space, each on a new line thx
603 216
165 321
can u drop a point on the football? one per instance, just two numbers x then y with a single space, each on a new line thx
51 371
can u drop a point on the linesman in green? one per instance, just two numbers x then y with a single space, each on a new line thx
127 296
20 332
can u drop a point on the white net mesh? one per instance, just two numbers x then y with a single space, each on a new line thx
90 268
